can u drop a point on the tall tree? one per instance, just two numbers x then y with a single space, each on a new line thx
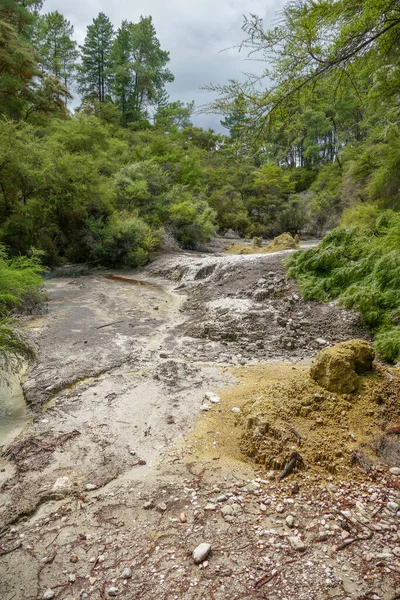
24 90
140 71
57 50
94 74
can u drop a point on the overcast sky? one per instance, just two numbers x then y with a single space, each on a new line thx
195 32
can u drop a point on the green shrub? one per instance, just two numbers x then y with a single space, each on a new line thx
359 265
124 240
20 290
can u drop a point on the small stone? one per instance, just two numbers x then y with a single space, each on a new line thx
182 517
148 505
163 355
393 506
280 508
227 510
92 580
72 577
162 507
201 553
127 573
170 420
289 521
210 507
90 487
205 407
48 595
73 558
211 397
236 410
321 342
297 543
101 558
112 591
395 470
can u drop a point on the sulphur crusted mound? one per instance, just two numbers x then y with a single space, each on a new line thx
282 242
281 402
338 369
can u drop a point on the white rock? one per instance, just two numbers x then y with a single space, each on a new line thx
90 487
393 506
204 407
280 508
72 577
112 591
127 573
201 553
210 507
62 483
395 470
321 342
297 543
290 521
236 410
48 595
211 397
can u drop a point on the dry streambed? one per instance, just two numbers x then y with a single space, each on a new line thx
111 488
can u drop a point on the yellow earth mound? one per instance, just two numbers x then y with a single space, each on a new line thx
338 369
282 242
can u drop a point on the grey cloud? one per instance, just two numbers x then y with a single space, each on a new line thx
200 36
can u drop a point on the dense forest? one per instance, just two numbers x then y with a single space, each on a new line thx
312 147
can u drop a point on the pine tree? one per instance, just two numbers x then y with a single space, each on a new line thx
57 49
139 67
94 74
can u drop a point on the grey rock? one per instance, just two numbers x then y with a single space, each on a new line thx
395 470
48 595
127 573
90 487
289 521
201 553
393 506
112 591
227 510
297 543
148 505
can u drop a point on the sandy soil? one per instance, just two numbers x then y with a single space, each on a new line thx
120 469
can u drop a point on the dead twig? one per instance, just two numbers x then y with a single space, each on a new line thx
352 540
3 551
109 324
264 580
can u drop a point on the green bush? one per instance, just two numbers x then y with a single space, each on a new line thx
20 291
191 221
124 240
359 265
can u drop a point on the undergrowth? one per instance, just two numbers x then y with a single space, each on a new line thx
20 291
359 264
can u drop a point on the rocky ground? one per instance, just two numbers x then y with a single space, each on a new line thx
111 488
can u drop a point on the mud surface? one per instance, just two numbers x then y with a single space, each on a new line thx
119 447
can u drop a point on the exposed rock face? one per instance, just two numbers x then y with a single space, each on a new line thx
337 369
